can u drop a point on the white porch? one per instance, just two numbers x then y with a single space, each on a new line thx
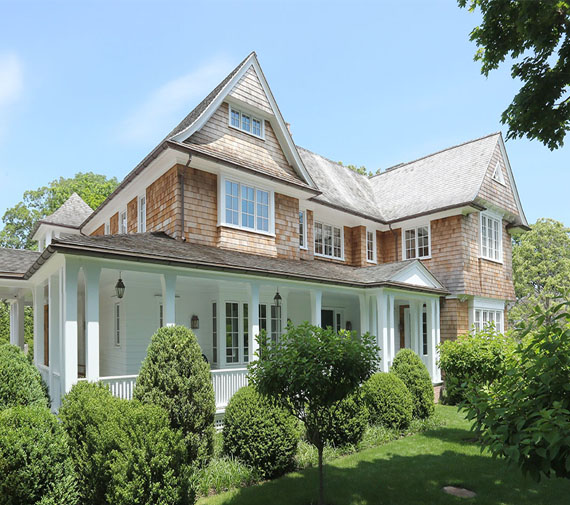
83 331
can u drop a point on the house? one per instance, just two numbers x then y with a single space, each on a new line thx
228 227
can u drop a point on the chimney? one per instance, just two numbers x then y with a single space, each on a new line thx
288 128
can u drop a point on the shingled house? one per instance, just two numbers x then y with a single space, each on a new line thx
228 227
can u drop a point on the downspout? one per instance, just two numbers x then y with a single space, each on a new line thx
395 242
182 237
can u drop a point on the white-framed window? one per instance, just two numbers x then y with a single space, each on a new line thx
214 332
270 321
371 246
491 237
123 221
303 229
329 240
483 317
247 122
142 214
107 228
424 331
416 242
247 207
237 333
498 174
117 323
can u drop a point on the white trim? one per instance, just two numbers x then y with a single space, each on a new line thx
323 255
305 246
421 224
374 259
496 218
252 116
141 224
512 181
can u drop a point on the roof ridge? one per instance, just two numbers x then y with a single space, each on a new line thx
334 162
400 165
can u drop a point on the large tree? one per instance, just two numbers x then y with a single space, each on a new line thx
36 204
541 267
535 35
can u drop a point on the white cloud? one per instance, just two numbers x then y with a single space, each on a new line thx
164 107
11 85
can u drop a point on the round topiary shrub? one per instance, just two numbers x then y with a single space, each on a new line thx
347 421
175 377
124 451
34 459
409 367
389 401
260 433
20 381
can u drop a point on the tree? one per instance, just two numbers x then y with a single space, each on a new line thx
36 204
541 267
362 170
536 36
524 416
309 372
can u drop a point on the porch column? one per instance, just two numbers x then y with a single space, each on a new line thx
54 337
437 374
253 320
39 351
431 337
169 298
382 325
69 341
92 275
364 316
414 327
316 306
17 316
391 338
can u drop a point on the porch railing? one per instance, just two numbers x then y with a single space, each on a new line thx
226 382
121 386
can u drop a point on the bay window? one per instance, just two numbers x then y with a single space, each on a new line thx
486 317
247 207
416 242
491 237
328 240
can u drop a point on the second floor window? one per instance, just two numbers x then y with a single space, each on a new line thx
302 229
491 237
123 222
247 207
246 122
416 242
142 214
370 247
328 240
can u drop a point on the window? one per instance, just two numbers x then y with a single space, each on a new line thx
416 242
142 214
214 333
491 237
117 328
498 174
484 317
247 207
246 122
302 229
107 228
424 331
274 331
370 247
232 333
160 315
245 332
328 240
123 222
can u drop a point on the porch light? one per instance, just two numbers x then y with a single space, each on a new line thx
348 326
120 287
194 322
277 299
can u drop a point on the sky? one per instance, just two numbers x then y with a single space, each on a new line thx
95 85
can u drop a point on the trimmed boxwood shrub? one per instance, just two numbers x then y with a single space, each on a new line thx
347 422
34 459
20 381
389 401
478 358
409 367
175 377
124 452
260 433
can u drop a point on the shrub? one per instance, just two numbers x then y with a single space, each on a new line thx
389 401
479 358
20 381
34 459
124 452
260 433
409 367
347 423
175 377
222 474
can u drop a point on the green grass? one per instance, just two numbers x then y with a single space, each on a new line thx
408 471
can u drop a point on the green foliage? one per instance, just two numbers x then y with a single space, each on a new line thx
28 326
525 415
535 36
260 433
36 204
362 170
222 474
34 459
20 381
477 359
541 267
175 377
409 367
124 452
389 401
309 370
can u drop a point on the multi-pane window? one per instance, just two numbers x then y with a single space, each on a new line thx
107 228
262 210
232 332
245 332
328 240
246 122
142 214
117 325
491 236
302 230
484 317
370 247
123 222
416 242
424 331
214 332
237 332
232 202
247 207
273 330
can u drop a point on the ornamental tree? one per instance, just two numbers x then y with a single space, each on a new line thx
310 371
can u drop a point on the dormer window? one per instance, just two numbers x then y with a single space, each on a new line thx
246 122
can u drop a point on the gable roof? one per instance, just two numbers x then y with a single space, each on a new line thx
71 214
16 262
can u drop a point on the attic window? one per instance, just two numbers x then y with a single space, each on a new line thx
498 174
247 123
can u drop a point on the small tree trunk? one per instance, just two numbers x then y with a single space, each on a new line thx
321 476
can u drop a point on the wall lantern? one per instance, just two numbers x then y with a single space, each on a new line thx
277 301
194 322
120 287
348 326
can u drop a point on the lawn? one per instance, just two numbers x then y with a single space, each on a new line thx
408 471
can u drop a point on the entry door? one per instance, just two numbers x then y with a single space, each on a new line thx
327 318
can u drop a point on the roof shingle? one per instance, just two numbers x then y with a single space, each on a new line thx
16 261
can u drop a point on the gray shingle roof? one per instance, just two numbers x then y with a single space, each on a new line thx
71 214
16 261
159 247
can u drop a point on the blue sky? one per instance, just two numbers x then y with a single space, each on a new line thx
95 85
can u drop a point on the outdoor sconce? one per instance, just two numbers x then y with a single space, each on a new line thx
277 299
348 326
120 287
194 322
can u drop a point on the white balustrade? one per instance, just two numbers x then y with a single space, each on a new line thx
226 382
121 386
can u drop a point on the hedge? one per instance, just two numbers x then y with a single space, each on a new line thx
389 401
